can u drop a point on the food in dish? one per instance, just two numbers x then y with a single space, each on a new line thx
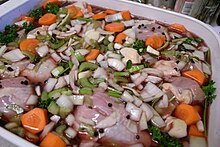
76 74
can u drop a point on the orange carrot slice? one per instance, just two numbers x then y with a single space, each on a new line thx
120 38
196 75
115 27
29 45
89 9
75 12
99 16
56 2
126 15
93 54
34 120
47 19
193 131
27 18
187 113
109 11
178 27
52 140
155 41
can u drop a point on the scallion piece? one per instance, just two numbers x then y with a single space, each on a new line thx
79 56
29 54
84 82
53 108
87 66
128 64
60 129
86 91
136 68
64 112
114 94
121 74
60 90
57 71
120 79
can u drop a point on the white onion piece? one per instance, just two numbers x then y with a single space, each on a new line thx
55 118
86 121
30 66
14 55
85 74
113 17
116 86
179 129
130 54
118 46
42 50
130 33
181 65
133 90
32 100
189 47
70 132
60 83
199 54
67 79
62 48
70 119
47 129
56 57
116 64
75 62
157 119
68 51
129 23
137 101
77 28
103 32
135 76
77 99
135 112
164 102
92 34
108 121
114 55
100 58
101 38
132 126
143 122
52 26
103 64
127 97
38 90
203 48
131 85
206 69
64 101
64 56
82 51
111 38
64 20
103 85
3 49
153 79
148 112
51 82
77 22
151 92
20 23
100 73
153 71
200 126
73 77
140 79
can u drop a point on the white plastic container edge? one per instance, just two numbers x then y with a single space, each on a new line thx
15 8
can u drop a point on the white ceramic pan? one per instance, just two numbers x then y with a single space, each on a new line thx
15 8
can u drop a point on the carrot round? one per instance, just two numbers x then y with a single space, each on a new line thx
178 27
93 54
193 131
109 11
89 9
126 15
34 120
155 41
187 113
48 19
99 16
52 140
29 45
27 18
75 12
56 2
196 75
115 27
120 38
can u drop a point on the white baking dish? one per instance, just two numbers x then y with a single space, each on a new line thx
15 8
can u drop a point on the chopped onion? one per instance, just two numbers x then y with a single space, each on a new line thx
103 32
113 17
206 69
38 90
64 56
179 129
103 85
151 92
153 79
200 126
143 122
56 57
100 58
157 119
77 22
133 90
70 119
153 71
67 79
70 132
100 73
68 51
101 38
64 101
55 118
60 83
82 51
137 101
51 82
87 121
30 66
130 54
152 51
116 86
129 23
135 112
108 121
85 74
3 49
118 46
114 55
199 54
32 100
140 79
164 102
181 65
14 55
116 64
77 99
132 126
47 129
104 64
20 23
189 47
130 33
52 26
147 109
127 97
111 38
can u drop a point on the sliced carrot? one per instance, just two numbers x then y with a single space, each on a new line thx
198 109
52 140
126 15
27 18
196 75
29 45
89 9
75 12
34 120
99 16
115 27
120 38
109 11
155 41
193 131
187 113
93 54
56 2
47 19
178 27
